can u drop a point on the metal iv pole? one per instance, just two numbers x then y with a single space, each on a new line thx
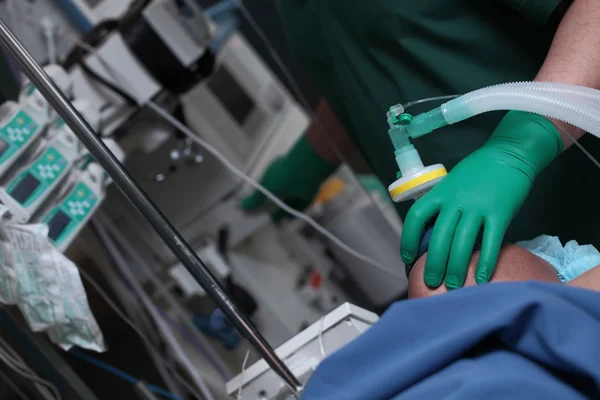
143 204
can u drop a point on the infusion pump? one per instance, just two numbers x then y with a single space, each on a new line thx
244 112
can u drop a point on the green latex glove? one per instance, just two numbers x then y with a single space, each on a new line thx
482 193
295 178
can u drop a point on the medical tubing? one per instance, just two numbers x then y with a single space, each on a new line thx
198 339
576 143
120 374
568 108
268 194
122 266
584 94
428 99
165 115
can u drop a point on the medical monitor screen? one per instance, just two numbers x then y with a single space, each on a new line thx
231 95
57 224
25 188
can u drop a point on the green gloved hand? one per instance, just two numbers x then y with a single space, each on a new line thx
295 178
483 192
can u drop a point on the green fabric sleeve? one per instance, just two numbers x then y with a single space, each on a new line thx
295 178
310 169
537 11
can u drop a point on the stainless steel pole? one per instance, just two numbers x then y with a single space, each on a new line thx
142 202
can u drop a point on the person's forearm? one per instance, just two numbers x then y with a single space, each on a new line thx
574 57
588 280
327 136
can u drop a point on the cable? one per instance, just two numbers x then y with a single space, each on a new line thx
119 262
257 185
268 194
303 100
576 143
48 29
26 372
185 383
192 340
358 328
296 89
92 38
14 387
120 374
184 129
141 319
19 363
14 360
166 295
112 305
415 102
289 77
116 309
239 393
4 344
321 344
92 74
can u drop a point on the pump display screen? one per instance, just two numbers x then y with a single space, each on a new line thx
57 224
231 95
25 188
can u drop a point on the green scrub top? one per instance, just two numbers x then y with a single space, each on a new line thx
365 56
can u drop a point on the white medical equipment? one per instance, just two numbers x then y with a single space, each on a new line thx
33 101
82 196
302 354
243 107
23 122
34 184
87 190
369 231
67 219
267 102
18 131
240 110
185 33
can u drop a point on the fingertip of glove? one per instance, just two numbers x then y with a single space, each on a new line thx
406 257
452 283
433 281
481 278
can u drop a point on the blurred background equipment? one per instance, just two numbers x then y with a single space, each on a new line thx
206 65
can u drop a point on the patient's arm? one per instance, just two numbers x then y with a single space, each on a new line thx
514 264
588 280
